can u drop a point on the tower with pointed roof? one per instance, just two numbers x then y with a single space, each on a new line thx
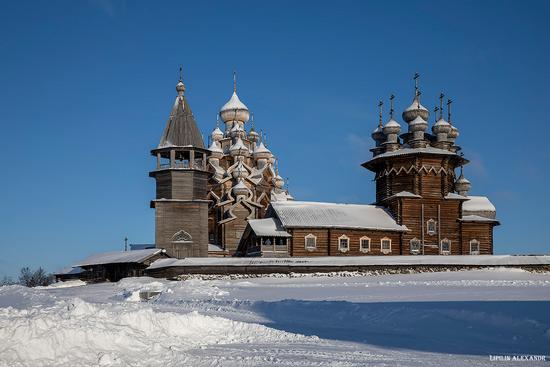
181 175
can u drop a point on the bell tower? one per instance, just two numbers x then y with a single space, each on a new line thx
181 175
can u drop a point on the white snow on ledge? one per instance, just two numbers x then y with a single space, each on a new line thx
481 260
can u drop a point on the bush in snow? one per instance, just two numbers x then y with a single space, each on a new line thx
30 278
6 281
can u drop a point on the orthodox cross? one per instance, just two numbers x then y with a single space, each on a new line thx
252 121
416 76
435 112
380 104
181 73
449 110
234 81
441 96
391 106
217 120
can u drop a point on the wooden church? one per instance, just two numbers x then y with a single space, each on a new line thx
229 199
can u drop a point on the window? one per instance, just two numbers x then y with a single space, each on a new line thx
343 243
385 245
431 227
445 247
474 247
182 237
415 246
364 244
311 242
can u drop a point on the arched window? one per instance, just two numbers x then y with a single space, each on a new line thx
445 246
474 247
385 245
182 237
343 243
415 246
311 242
364 244
431 227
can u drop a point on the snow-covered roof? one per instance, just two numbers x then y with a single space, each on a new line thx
392 123
477 218
268 227
261 149
234 103
455 196
239 145
214 147
482 260
406 151
135 256
71 270
404 194
416 105
478 204
181 129
332 215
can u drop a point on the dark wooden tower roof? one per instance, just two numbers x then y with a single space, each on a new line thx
181 129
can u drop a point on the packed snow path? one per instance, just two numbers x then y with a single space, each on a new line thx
429 319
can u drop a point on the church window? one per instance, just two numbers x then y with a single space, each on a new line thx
415 246
445 246
431 227
385 245
474 247
311 242
364 244
182 236
343 243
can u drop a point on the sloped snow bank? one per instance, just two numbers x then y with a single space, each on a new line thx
74 332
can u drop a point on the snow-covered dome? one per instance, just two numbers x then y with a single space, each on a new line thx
180 87
215 150
216 134
234 109
415 110
261 152
392 127
453 134
238 148
462 185
253 135
278 181
378 134
441 127
418 124
240 189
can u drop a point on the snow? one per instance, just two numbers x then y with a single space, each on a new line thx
473 260
478 204
332 215
134 256
477 218
268 227
348 319
234 103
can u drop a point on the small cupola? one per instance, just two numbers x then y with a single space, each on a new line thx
462 185
415 109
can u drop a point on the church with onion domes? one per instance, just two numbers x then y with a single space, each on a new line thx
227 198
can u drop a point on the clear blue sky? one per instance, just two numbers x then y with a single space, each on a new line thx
86 88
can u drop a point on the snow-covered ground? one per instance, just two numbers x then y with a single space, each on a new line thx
427 319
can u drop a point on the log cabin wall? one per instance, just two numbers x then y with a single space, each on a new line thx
327 242
482 232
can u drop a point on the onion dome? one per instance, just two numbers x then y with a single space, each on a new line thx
236 130
240 189
441 127
216 134
278 181
261 152
453 134
238 148
253 135
418 125
462 185
180 87
415 110
391 127
378 134
215 150
234 110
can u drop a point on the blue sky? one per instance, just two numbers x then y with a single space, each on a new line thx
86 87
